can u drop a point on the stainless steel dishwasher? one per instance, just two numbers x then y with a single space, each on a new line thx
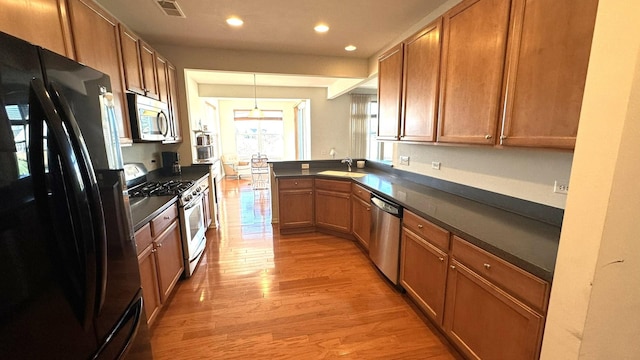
384 246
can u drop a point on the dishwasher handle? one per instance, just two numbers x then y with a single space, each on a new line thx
386 206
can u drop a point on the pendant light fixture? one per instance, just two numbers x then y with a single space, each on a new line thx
255 113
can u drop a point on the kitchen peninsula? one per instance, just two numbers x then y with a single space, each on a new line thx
488 250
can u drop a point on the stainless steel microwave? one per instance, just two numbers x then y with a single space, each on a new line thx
149 118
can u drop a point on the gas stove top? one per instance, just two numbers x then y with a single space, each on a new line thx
160 188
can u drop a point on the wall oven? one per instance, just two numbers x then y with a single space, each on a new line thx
149 119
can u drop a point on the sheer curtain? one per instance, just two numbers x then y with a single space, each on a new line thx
359 124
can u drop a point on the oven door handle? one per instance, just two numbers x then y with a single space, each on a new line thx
194 202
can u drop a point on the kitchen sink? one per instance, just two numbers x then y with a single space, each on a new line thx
342 173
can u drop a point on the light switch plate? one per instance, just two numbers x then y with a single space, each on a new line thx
404 160
305 166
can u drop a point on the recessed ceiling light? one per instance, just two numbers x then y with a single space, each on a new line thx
350 48
321 28
235 21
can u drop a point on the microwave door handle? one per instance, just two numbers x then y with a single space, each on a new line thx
88 178
41 111
163 123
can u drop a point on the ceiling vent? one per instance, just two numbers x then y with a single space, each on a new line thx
170 7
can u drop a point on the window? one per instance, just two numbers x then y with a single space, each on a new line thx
18 116
377 150
264 135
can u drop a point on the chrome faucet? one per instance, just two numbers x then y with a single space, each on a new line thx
348 161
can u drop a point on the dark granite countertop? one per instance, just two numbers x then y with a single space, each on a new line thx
525 242
145 209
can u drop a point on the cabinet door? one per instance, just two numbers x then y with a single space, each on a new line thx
389 93
473 54
131 61
40 22
423 274
163 81
549 47
486 323
97 44
170 262
172 86
149 72
420 93
296 208
149 282
361 220
333 210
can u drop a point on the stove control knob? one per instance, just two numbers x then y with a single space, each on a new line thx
187 198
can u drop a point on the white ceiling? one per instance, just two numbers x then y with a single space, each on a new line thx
280 26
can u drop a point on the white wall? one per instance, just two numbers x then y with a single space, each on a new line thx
595 299
147 153
522 173
329 117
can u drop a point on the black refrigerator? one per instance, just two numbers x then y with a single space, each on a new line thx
69 279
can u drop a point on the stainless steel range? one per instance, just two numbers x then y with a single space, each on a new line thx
190 204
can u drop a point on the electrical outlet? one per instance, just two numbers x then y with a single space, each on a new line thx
560 187
404 160
305 166
435 165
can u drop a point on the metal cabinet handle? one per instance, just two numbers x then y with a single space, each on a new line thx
310 192
441 258
166 217
153 250
487 136
420 226
503 137
295 183
487 266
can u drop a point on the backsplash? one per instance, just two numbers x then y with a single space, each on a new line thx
147 153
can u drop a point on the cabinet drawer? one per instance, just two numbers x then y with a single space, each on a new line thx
528 288
333 185
295 183
427 230
143 237
162 221
361 192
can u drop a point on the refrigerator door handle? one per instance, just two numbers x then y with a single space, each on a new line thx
79 210
93 192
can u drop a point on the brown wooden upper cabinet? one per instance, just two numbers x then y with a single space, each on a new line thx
40 22
139 62
149 71
548 54
97 44
473 50
172 89
420 84
390 93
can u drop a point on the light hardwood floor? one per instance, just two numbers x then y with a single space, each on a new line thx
259 295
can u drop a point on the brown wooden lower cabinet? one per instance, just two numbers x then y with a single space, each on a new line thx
423 274
333 204
487 323
361 220
295 204
160 260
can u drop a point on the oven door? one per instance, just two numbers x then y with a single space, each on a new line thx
193 233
